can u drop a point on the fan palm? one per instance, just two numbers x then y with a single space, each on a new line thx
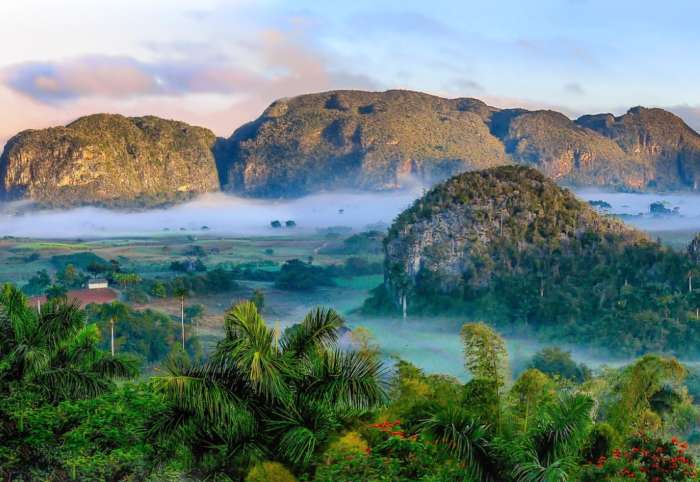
53 352
261 395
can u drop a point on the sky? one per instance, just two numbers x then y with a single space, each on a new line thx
219 63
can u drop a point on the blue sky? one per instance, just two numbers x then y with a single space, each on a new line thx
219 63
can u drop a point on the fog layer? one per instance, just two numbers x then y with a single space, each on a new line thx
221 214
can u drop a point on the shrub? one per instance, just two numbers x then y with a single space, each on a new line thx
268 472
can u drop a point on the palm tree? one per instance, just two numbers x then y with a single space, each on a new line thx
263 397
53 352
182 292
113 312
551 450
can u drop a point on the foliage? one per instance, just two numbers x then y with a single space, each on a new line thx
148 334
263 396
93 439
555 361
269 471
299 276
564 270
645 458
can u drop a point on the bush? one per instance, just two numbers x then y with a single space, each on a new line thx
269 472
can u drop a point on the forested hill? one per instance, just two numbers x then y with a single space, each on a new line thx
382 140
343 140
510 246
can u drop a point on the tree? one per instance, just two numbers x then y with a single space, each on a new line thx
643 391
53 352
262 397
180 291
37 283
555 361
113 312
258 298
55 292
276 224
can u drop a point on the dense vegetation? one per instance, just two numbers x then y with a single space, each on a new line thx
510 246
294 406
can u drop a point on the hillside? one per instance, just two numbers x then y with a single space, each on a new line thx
384 140
510 246
359 140
352 140
109 160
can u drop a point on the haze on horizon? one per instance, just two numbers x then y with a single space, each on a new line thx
219 63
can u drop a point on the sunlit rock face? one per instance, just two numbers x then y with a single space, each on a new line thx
110 160
384 140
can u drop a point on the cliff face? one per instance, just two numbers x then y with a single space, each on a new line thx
359 140
343 140
382 140
110 160
475 226
655 138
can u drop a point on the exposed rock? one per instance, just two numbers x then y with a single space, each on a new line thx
656 138
383 140
359 140
455 236
110 160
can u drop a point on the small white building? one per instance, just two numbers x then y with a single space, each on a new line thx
97 283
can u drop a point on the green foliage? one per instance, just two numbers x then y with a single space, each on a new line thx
263 395
562 269
299 276
37 284
150 335
269 471
556 362
94 439
81 260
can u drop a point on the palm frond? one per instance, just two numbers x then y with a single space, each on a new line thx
319 328
348 379
205 398
70 384
561 427
559 470
115 366
467 439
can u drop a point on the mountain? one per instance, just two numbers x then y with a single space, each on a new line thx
359 140
510 246
657 139
343 140
384 140
109 160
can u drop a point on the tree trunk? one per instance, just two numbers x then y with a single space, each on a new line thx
405 307
111 323
182 320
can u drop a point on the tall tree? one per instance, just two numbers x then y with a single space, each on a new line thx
181 292
257 397
53 353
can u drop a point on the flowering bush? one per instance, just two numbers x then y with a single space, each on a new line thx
393 455
646 458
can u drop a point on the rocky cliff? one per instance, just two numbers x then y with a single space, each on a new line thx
509 246
359 140
109 160
460 234
343 140
383 140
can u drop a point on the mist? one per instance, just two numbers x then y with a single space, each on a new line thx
634 209
434 345
222 214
